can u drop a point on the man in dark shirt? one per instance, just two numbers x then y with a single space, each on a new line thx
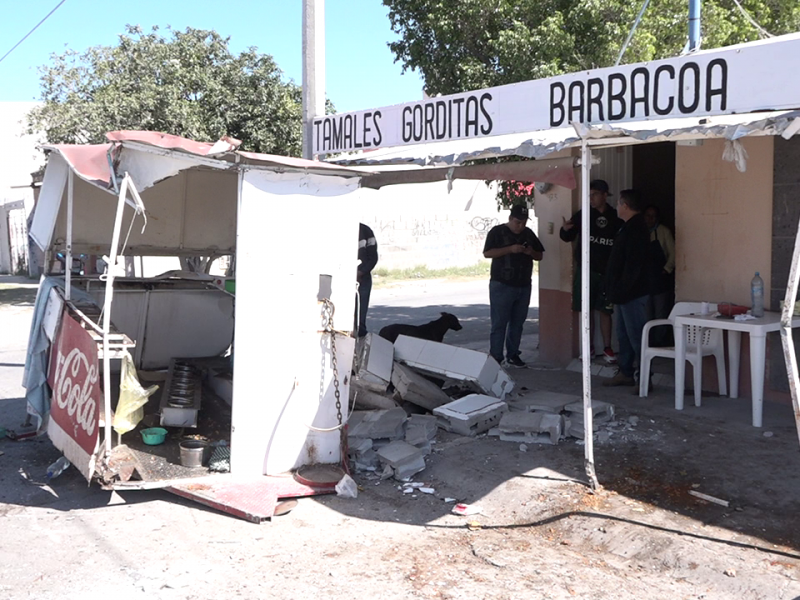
512 247
628 285
368 258
603 226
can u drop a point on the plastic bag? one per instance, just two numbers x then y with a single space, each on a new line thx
132 398
347 488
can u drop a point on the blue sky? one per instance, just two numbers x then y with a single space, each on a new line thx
360 69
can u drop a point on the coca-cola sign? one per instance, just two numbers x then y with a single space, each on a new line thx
73 376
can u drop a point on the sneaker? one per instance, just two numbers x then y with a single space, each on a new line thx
515 361
618 380
609 355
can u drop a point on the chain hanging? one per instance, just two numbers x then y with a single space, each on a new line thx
327 326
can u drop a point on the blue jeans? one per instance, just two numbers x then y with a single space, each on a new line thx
631 318
509 309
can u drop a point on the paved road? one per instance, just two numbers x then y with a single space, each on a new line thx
418 302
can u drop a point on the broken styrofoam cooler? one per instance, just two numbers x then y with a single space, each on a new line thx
462 364
471 414
375 360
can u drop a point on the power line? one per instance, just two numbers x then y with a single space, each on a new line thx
764 33
32 30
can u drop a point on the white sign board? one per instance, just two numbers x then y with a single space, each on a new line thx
736 79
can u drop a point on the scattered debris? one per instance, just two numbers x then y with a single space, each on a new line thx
523 447
730 572
466 510
347 488
708 498
768 434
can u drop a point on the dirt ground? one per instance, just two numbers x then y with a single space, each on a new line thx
541 532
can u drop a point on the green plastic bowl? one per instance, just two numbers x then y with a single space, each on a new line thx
154 436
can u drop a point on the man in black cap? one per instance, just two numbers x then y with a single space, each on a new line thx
512 247
603 226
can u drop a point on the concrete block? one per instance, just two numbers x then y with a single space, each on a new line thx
601 411
471 414
421 429
460 364
365 398
551 402
377 424
413 387
524 424
375 360
405 459
528 438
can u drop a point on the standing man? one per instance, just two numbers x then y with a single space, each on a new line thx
662 275
603 226
368 258
627 282
512 247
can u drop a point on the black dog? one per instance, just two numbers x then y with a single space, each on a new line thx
433 331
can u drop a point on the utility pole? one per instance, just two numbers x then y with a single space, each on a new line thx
313 70
694 25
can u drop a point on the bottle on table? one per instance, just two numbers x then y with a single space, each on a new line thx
757 296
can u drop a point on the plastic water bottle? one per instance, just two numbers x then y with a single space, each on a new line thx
757 296
57 468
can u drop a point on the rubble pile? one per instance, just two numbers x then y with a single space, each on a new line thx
467 392
547 417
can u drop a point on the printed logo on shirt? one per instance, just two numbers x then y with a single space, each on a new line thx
602 222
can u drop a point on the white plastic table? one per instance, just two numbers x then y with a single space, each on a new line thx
757 328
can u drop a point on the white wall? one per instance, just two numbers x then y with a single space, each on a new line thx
424 224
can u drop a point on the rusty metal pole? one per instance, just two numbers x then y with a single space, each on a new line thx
786 330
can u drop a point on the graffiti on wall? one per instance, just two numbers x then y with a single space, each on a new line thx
483 224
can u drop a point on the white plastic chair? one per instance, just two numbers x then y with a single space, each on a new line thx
711 344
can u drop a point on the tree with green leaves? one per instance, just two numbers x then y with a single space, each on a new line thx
461 45
187 84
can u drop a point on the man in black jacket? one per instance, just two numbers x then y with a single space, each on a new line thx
627 285
368 258
603 226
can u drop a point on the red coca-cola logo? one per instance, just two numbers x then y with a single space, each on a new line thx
74 383
73 377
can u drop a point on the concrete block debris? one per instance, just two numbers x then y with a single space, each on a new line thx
471 415
377 424
365 398
537 427
550 402
413 387
375 361
484 374
421 431
601 411
404 459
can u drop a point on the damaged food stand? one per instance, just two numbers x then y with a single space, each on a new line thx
290 225
291 229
